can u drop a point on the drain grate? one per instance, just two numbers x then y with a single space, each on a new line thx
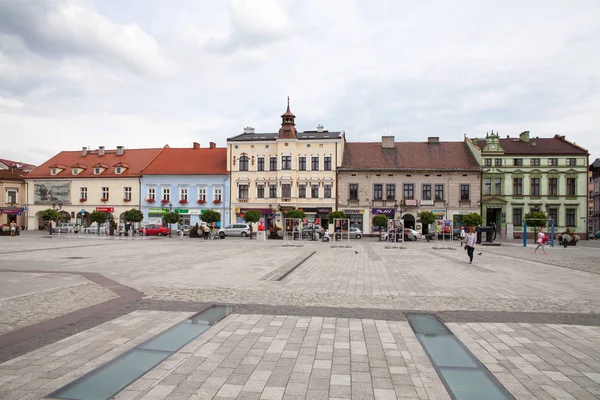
106 381
463 375
73 258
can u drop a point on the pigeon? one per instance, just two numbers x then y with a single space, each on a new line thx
480 253
355 251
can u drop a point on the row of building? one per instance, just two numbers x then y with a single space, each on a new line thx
318 171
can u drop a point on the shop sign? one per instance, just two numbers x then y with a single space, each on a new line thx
462 212
105 209
350 212
316 210
263 211
11 211
384 211
439 212
410 202
493 207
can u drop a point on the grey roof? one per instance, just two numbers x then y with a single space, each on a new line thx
306 135
595 164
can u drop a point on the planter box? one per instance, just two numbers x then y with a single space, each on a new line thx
2 233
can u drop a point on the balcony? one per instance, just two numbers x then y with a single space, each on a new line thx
382 202
245 200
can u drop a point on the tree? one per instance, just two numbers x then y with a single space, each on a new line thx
50 215
336 215
472 219
536 219
427 218
210 217
98 217
380 221
251 217
171 218
133 215
295 214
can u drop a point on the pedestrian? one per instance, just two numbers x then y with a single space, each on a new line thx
463 235
471 241
13 228
181 233
206 231
542 238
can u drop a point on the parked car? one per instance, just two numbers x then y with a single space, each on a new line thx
411 234
242 230
456 233
93 228
597 235
308 228
356 233
154 229
66 227
185 229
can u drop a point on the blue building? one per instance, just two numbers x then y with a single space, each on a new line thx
189 181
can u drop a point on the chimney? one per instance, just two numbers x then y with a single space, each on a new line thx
120 150
248 129
320 128
433 140
100 150
524 136
387 142
196 145
213 145
84 151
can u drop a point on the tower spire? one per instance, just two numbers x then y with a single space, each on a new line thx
288 107
288 130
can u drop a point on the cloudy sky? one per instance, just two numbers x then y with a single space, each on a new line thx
153 72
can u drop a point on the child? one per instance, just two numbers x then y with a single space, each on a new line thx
541 241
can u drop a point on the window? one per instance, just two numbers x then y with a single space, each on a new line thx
487 186
118 170
286 163
571 161
487 162
12 196
286 190
218 194
390 191
74 171
105 193
378 191
260 166
517 162
83 193
243 192
517 216
498 162
553 162
183 194
570 214
202 194
53 171
314 163
591 211
534 162
302 163
409 191
327 163
302 191
535 186
314 191
439 192
353 189
127 194
553 215
166 194
570 186
465 193
426 192
498 186
518 186
260 191
553 186
272 191
244 163
273 164
96 171
327 191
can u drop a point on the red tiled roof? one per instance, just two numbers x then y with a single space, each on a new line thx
11 175
409 156
13 164
189 161
136 158
552 146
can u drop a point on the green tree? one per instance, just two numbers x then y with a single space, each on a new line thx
427 218
536 219
336 215
50 215
171 218
133 215
98 217
472 219
210 217
295 214
380 221
251 217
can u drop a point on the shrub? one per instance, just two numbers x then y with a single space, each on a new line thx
336 215
295 214
380 221
472 219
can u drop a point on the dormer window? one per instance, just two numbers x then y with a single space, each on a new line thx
53 171
97 171
74 171
118 170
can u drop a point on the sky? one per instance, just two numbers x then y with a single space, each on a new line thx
150 73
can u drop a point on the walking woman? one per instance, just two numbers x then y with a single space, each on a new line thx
471 240
541 240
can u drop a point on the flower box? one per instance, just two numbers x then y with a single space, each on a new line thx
183 201
217 202
164 201
82 200
126 200
201 201
104 200
150 201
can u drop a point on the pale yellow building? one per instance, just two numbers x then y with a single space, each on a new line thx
276 172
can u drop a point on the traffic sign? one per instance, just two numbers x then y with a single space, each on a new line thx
82 212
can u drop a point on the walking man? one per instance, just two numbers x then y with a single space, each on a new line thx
463 235
13 228
542 238
471 239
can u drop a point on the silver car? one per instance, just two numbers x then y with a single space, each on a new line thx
242 230
356 233
67 227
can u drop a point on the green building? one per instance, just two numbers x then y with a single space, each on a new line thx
524 174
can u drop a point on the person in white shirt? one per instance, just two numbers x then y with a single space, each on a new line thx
471 239
541 240
463 235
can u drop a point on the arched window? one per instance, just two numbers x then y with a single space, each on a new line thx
244 163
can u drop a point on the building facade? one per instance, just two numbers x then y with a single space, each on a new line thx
12 200
595 218
527 174
188 181
75 183
276 172
401 179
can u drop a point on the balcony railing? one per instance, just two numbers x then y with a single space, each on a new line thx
245 200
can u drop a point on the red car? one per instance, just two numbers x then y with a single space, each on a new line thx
154 230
